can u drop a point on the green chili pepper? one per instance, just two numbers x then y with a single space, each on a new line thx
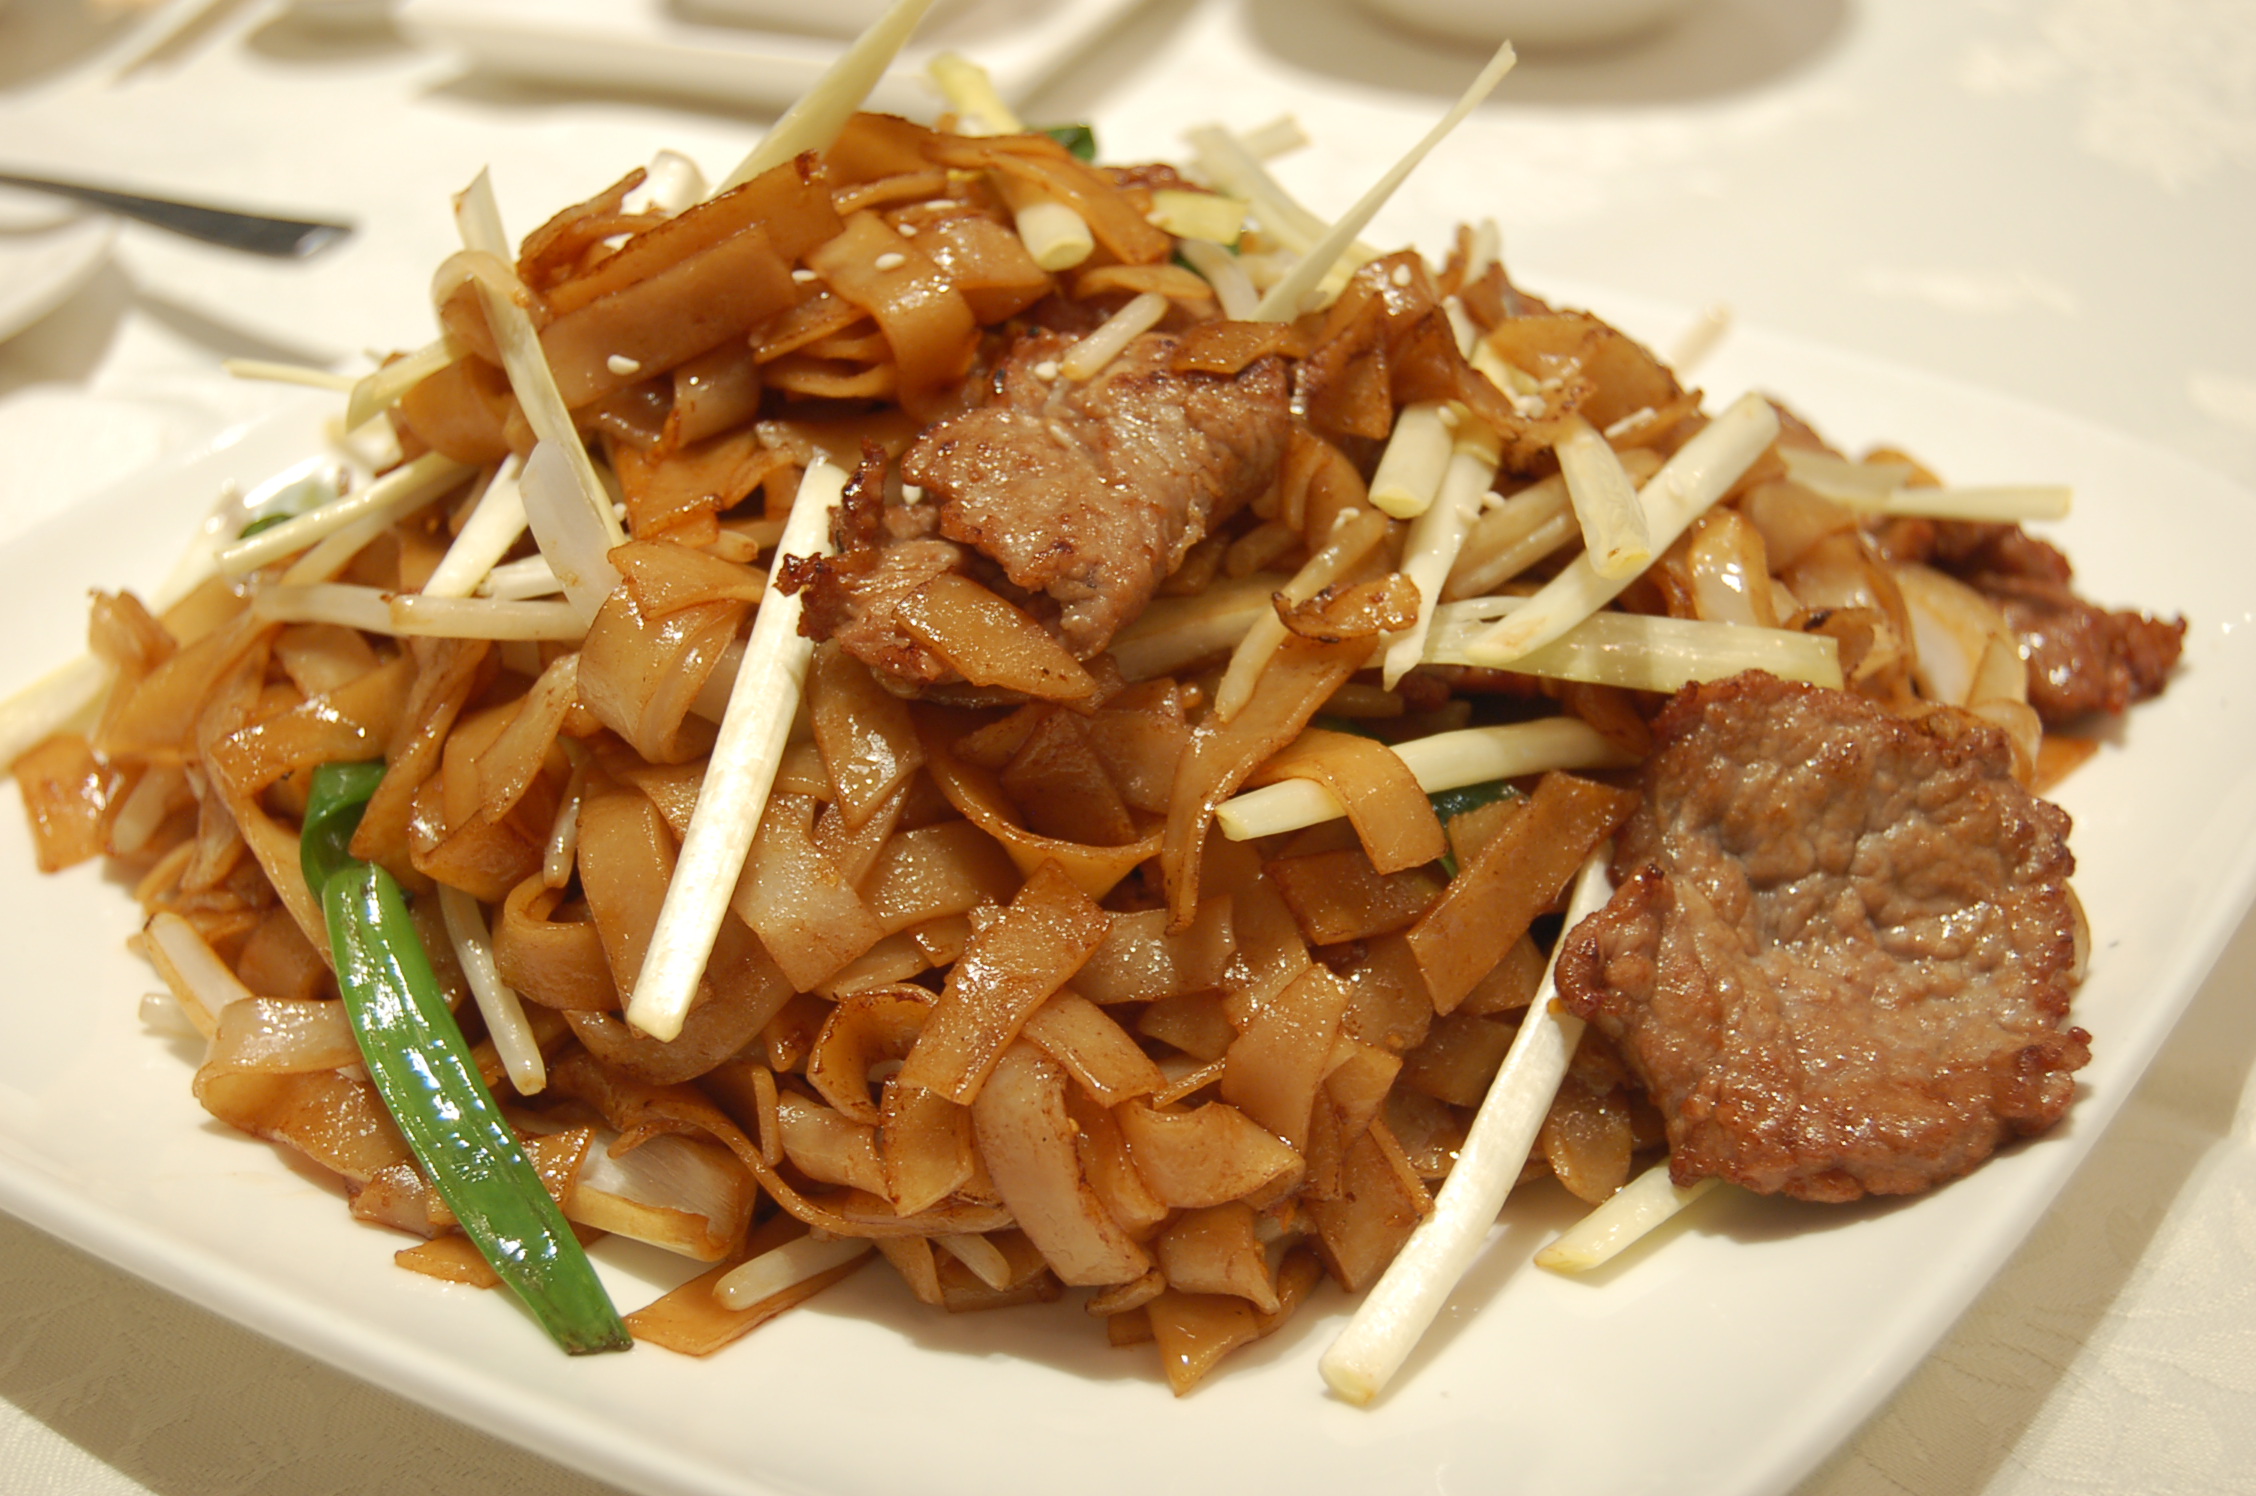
1079 140
423 1069
1449 804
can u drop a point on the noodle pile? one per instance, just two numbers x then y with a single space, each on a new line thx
992 999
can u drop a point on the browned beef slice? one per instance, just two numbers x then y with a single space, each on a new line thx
1092 492
2082 657
1843 945
852 598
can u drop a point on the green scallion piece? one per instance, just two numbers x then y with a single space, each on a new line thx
1449 804
1079 140
422 1067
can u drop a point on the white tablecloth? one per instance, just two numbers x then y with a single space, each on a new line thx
2055 198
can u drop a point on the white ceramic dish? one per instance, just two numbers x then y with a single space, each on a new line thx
46 253
652 46
1726 1359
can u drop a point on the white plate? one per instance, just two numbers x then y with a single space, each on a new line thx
652 45
1727 1360
46 253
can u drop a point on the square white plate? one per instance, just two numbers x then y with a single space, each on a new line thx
1728 1358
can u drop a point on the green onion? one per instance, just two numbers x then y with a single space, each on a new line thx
1080 140
1353 726
1450 804
423 1069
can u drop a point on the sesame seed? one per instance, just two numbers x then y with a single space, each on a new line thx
1046 369
912 493
803 275
1401 276
619 363
892 259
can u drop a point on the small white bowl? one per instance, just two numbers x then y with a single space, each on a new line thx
1535 25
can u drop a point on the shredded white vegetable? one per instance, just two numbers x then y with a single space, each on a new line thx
497 1002
1288 298
1444 761
969 90
564 831
1279 137
408 614
530 377
277 373
1054 234
335 551
1700 473
401 491
738 774
201 982
485 618
1701 339
1354 533
1437 534
1605 501
787 1266
1430 549
1206 217
1087 358
814 122
1233 288
67 695
161 1013
1518 530
2008 503
367 608
63 696
486 536
1416 458
983 1257
531 576
1393 1316
1226 163
1641 652
1861 484
576 547
1635 1210
379 391
675 183
1177 631
1885 488
1417 455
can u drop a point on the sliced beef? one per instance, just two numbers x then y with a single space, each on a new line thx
2082 658
882 552
854 605
1842 947
1093 491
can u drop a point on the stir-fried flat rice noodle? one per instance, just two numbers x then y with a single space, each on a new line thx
1123 759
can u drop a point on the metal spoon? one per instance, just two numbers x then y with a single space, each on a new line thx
283 238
